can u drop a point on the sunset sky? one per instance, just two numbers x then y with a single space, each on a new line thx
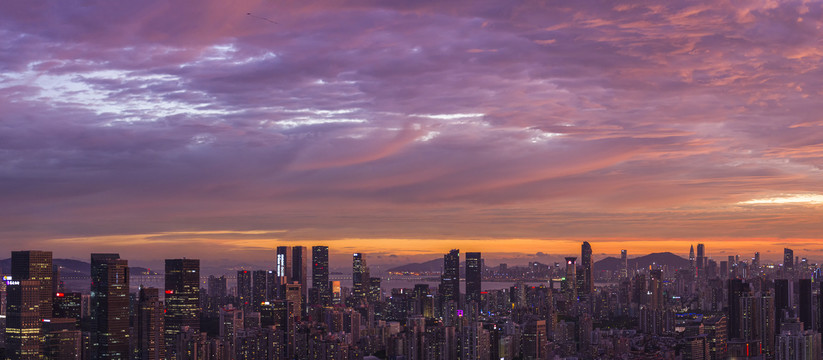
222 129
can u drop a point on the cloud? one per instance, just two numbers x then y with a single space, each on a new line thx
408 119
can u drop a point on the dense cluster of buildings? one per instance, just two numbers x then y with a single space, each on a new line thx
734 309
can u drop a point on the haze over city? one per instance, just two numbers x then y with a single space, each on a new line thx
220 130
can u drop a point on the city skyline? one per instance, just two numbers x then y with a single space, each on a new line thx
222 131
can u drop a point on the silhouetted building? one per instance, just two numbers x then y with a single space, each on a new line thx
737 289
586 267
244 291
23 322
788 259
36 265
570 282
68 305
701 260
624 264
182 301
320 274
474 276
450 280
150 342
109 307
300 263
360 277
804 303
258 289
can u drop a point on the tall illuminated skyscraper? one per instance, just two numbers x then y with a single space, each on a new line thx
360 277
300 262
23 323
283 263
450 280
788 259
320 274
692 264
182 300
474 264
624 263
570 282
35 265
150 330
258 289
244 289
109 307
701 260
586 266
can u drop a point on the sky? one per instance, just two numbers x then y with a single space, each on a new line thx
222 129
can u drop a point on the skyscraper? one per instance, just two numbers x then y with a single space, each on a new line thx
804 303
570 282
320 274
474 264
692 264
624 264
23 323
244 289
701 260
35 265
450 280
258 289
109 307
586 263
300 262
150 330
737 290
182 300
360 277
788 259
283 263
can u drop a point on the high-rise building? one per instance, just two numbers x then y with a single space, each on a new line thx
218 293
701 260
68 305
23 322
109 307
35 265
320 274
756 261
474 276
182 301
782 301
586 264
570 282
360 277
244 289
804 303
63 340
656 300
692 264
150 342
258 289
788 259
300 262
294 296
737 290
766 323
450 280
283 264
624 264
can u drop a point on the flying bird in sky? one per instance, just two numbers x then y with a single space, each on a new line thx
262 18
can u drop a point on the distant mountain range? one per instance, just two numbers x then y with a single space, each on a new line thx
69 267
610 263
663 258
